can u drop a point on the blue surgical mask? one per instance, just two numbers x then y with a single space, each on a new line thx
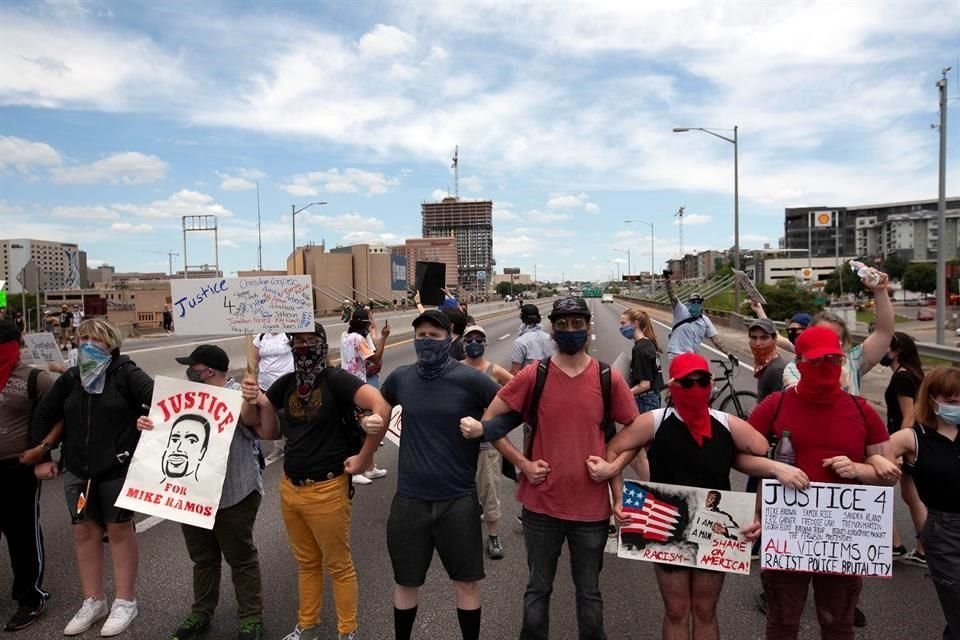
475 349
570 342
695 309
948 412
432 355
627 331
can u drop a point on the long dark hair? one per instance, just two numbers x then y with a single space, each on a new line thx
907 354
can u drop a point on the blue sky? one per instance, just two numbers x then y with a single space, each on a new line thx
116 118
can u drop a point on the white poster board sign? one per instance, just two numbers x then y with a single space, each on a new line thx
178 467
42 348
828 528
686 526
242 306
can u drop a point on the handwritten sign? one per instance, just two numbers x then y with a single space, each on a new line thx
747 285
243 306
686 526
828 528
42 348
178 467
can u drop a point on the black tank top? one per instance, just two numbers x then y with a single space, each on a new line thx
675 457
936 470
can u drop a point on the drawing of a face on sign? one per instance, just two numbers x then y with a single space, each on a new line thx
186 447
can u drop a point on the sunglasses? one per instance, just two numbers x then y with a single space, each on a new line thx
474 341
701 381
575 323
832 358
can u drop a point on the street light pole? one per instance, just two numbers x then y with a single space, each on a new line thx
942 215
293 219
735 141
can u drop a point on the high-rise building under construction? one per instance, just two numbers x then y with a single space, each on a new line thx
471 223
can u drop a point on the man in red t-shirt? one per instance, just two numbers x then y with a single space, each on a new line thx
559 499
832 432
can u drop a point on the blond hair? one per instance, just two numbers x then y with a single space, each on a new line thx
642 318
101 330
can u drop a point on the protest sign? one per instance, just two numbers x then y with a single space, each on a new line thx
42 348
395 426
748 287
686 526
178 467
828 528
242 306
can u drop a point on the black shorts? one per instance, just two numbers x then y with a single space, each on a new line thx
100 500
452 527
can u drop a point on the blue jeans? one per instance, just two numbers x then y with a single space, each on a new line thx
544 538
647 401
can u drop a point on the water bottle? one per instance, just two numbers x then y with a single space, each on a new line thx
867 275
784 452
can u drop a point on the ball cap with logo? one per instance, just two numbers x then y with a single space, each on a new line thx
571 306
210 355
764 324
475 328
687 363
817 342
434 317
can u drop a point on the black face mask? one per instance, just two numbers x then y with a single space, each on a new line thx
792 335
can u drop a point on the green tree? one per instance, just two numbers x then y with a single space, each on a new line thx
920 276
786 298
894 266
851 282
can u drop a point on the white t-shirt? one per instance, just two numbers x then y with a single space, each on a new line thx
276 358
354 351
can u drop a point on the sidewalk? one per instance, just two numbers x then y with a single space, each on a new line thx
872 386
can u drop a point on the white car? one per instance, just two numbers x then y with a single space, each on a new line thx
607 297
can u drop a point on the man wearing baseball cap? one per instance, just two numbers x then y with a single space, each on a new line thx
832 432
690 326
533 343
767 363
436 506
231 538
324 448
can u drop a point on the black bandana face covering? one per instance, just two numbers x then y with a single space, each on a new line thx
309 361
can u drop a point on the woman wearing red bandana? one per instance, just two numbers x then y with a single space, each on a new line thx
693 445
833 432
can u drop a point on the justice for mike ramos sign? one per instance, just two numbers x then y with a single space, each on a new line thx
178 467
242 306
828 528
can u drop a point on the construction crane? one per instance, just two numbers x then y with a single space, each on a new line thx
679 216
169 254
455 165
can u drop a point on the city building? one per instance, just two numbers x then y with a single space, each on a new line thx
429 250
863 230
471 223
516 278
60 265
345 273
771 267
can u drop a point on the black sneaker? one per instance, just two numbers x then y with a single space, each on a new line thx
191 628
898 552
755 550
761 601
24 617
251 630
494 548
859 619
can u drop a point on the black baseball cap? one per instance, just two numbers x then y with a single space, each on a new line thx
530 311
434 317
9 331
570 306
210 355
360 315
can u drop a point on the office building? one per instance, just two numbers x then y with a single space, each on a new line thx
912 236
356 272
471 223
60 265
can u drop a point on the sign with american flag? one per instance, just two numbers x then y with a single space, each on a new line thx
685 526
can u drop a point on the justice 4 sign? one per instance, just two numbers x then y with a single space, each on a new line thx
828 528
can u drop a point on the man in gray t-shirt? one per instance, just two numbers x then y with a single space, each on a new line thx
534 343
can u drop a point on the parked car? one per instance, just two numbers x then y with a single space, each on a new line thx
914 302
925 314
607 297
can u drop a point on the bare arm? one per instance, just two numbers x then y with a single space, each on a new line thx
257 412
862 471
719 345
369 399
640 388
515 368
906 410
668 283
501 376
746 438
878 343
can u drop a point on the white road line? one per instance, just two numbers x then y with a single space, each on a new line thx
184 344
504 337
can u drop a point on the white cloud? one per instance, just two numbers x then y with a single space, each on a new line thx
386 40
569 201
182 203
335 181
439 194
96 212
542 217
591 207
368 237
695 218
251 174
120 168
26 154
348 222
504 215
230 244
472 184
126 227
234 183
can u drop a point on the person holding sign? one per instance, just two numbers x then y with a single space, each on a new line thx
929 451
692 445
231 538
833 432
325 446
98 401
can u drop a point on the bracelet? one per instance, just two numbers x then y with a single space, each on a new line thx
43 445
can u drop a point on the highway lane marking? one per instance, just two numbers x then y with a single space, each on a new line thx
504 337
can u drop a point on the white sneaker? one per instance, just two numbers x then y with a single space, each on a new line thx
90 613
310 633
375 473
361 479
121 615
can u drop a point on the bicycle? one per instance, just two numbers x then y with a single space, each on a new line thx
736 402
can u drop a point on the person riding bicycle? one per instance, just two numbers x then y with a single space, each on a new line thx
690 326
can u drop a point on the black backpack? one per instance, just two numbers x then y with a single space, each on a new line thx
607 425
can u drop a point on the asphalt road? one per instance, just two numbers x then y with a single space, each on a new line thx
904 607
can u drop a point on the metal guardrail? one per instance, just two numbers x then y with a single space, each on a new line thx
927 349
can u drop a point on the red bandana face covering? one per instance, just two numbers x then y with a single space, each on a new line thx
762 356
818 382
693 405
9 357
